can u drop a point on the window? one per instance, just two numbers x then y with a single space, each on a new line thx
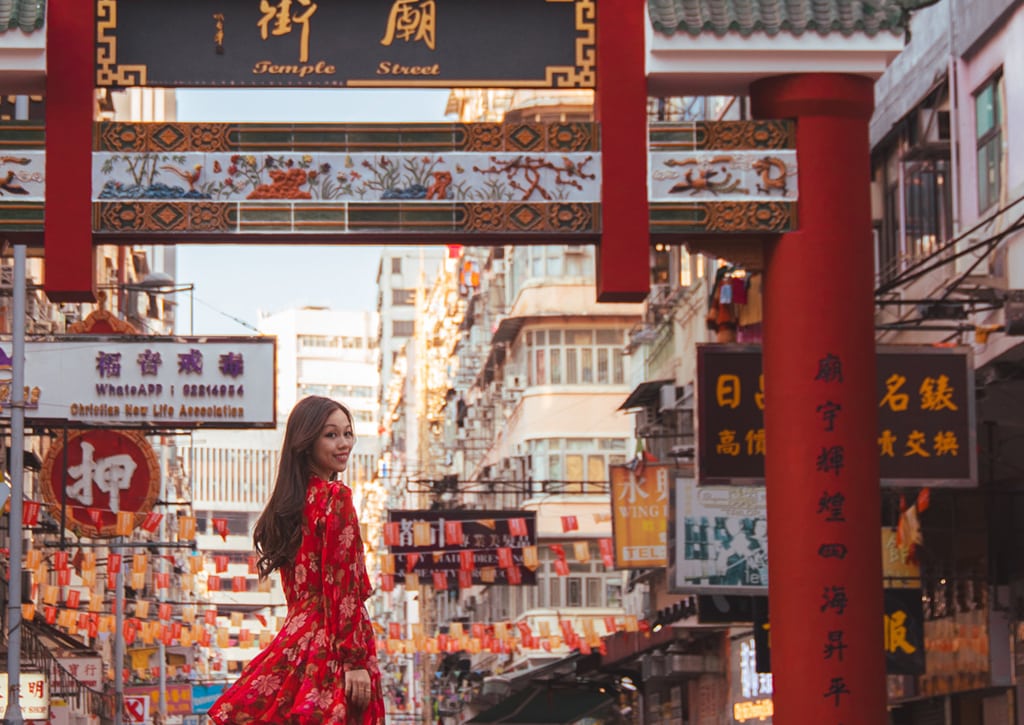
988 113
396 265
403 297
403 328
573 357
587 585
574 465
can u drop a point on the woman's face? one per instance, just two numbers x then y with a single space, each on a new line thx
331 450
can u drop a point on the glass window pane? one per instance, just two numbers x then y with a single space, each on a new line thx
556 366
579 337
573 471
540 337
609 337
555 337
586 365
618 374
597 474
541 369
574 598
594 592
554 590
602 365
571 374
613 594
985 110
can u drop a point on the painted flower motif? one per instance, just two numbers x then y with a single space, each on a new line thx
348 536
300 574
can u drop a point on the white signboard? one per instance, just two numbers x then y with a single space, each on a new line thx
34 697
720 539
87 670
151 382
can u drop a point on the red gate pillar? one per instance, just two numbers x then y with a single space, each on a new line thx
70 97
623 255
824 502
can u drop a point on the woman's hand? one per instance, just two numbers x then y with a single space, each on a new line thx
357 688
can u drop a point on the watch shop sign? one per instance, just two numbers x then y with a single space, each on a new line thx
146 382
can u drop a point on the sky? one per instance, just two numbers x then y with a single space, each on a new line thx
233 283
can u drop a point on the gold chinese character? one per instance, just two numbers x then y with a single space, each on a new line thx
896 633
946 443
895 400
759 395
755 442
886 442
915 445
282 17
937 394
728 391
411 20
727 443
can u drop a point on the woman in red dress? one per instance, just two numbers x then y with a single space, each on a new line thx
321 668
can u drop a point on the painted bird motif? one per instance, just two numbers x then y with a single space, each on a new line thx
10 186
190 177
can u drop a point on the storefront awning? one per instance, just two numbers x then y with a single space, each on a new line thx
546 706
645 393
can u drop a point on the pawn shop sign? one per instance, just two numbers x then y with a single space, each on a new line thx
108 471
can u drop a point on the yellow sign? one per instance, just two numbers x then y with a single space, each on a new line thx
640 515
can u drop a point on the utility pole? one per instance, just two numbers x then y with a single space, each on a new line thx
13 716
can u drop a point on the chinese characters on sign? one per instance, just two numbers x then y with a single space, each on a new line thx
830 463
640 507
540 44
156 382
108 472
483 547
925 409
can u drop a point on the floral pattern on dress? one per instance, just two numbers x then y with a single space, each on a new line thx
299 679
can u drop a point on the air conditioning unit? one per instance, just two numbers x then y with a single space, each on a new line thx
648 422
932 127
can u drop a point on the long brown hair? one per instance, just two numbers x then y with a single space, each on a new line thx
278 530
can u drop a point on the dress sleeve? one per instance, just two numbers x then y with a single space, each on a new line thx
346 584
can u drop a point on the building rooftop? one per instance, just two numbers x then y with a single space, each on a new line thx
772 17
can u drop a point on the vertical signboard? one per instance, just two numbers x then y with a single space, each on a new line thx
640 510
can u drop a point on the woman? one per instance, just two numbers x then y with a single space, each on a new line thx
322 666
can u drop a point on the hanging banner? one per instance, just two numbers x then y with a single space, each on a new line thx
402 43
640 510
926 415
107 472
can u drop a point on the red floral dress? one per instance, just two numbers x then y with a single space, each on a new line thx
299 679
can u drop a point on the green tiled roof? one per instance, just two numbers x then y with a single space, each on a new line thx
25 15
794 17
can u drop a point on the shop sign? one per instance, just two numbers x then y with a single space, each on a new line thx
720 539
926 415
903 628
178 698
87 670
34 697
203 696
166 383
397 43
484 546
107 472
640 510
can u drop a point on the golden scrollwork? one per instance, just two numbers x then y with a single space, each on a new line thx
108 72
584 73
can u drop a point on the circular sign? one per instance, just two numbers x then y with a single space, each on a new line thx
108 471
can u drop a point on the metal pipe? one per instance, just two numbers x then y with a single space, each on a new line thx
16 461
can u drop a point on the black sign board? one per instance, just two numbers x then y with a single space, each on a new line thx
325 43
480 530
926 403
903 625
